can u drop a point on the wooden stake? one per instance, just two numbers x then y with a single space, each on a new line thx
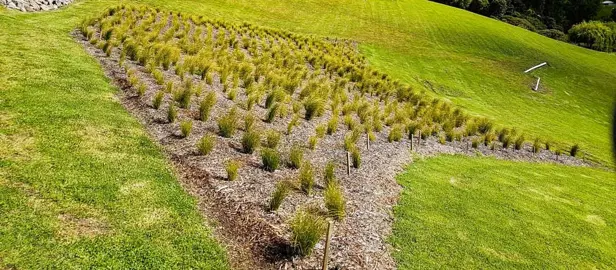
412 137
348 162
419 140
367 142
330 229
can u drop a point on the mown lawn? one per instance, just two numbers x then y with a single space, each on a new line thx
81 184
483 213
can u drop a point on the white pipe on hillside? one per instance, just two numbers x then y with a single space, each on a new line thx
535 67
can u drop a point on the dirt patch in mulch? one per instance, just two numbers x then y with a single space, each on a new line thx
256 238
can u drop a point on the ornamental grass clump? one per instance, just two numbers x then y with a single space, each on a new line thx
206 105
206 144
232 167
519 143
395 134
329 174
250 141
334 201
228 124
272 138
307 228
355 157
537 145
158 99
185 128
296 156
306 177
172 113
574 150
270 158
279 194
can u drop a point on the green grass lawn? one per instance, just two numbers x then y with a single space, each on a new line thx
482 213
81 184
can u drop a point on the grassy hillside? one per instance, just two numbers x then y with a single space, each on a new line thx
81 184
457 212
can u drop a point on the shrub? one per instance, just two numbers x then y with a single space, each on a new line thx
172 113
574 150
395 134
228 124
593 34
519 143
231 168
185 128
306 230
356 157
206 105
279 194
334 201
328 174
250 141
306 177
158 99
296 156
206 144
270 158
272 139
554 34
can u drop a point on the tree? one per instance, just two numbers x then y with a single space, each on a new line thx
613 14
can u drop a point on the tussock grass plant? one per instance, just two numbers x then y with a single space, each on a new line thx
206 105
185 128
249 121
158 99
172 113
519 143
395 134
334 201
280 193
251 140
355 157
329 173
306 177
537 145
272 138
307 228
206 144
296 156
575 149
312 142
270 158
232 168
227 125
